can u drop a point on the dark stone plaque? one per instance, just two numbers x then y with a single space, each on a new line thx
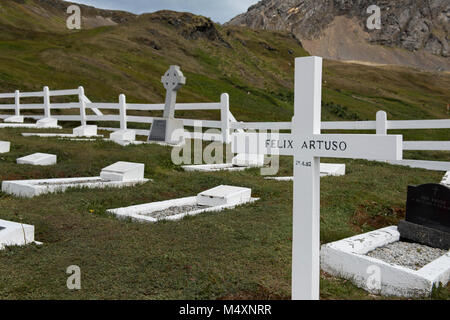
158 130
1 228
427 215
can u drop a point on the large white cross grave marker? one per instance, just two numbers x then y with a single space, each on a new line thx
307 145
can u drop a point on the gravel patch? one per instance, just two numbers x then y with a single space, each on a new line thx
410 255
172 211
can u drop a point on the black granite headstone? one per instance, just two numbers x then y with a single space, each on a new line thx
158 130
427 216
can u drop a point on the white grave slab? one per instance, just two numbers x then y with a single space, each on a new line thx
15 234
446 180
224 195
144 212
85 131
122 136
38 159
123 171
347 259
5 146
47 123
118 177
213 167
248 160
14 119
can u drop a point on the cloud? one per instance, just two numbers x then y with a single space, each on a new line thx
219 11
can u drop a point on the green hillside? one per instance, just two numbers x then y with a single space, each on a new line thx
237 254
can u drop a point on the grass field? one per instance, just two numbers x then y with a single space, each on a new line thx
236 254
243 253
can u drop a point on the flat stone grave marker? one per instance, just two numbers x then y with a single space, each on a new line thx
119 175
427 216
5 146
15 234
446 180
213 200
123 171
38 159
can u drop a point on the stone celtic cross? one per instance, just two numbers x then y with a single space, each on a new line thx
172 80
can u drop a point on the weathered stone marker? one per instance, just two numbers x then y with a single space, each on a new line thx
427 216
307 145
163 129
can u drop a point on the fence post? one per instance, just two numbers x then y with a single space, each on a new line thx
17 103
225 117
47 103
123 112
82 106
382 124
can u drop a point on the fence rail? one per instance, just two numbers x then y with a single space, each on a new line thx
227 123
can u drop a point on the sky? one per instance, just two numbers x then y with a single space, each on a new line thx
219 11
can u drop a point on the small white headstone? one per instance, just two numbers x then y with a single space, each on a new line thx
248 160
123 171
123 135
5 146
47 123
224 195
332 169
14 119
38 159
85 131
446 180
15 234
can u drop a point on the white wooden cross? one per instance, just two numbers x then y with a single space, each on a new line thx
307 145
172 80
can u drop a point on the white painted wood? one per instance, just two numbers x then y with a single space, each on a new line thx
47 112
224 116
38 159
17 103
31 94
15 234
69 92
123 112
5 146
347 259
419 124
82 103
224 195
382 123
427 145
326 169
422 164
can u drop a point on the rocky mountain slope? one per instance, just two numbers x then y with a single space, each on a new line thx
413 33
256 67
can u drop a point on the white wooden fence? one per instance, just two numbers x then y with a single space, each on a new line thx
381 126
226 126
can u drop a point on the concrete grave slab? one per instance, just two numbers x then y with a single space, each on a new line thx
38 159
122 136
348 259
239 163
14 119
15 234
114 178
224 195
248 160
123 171
85 131
47 123
5 146
177 209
